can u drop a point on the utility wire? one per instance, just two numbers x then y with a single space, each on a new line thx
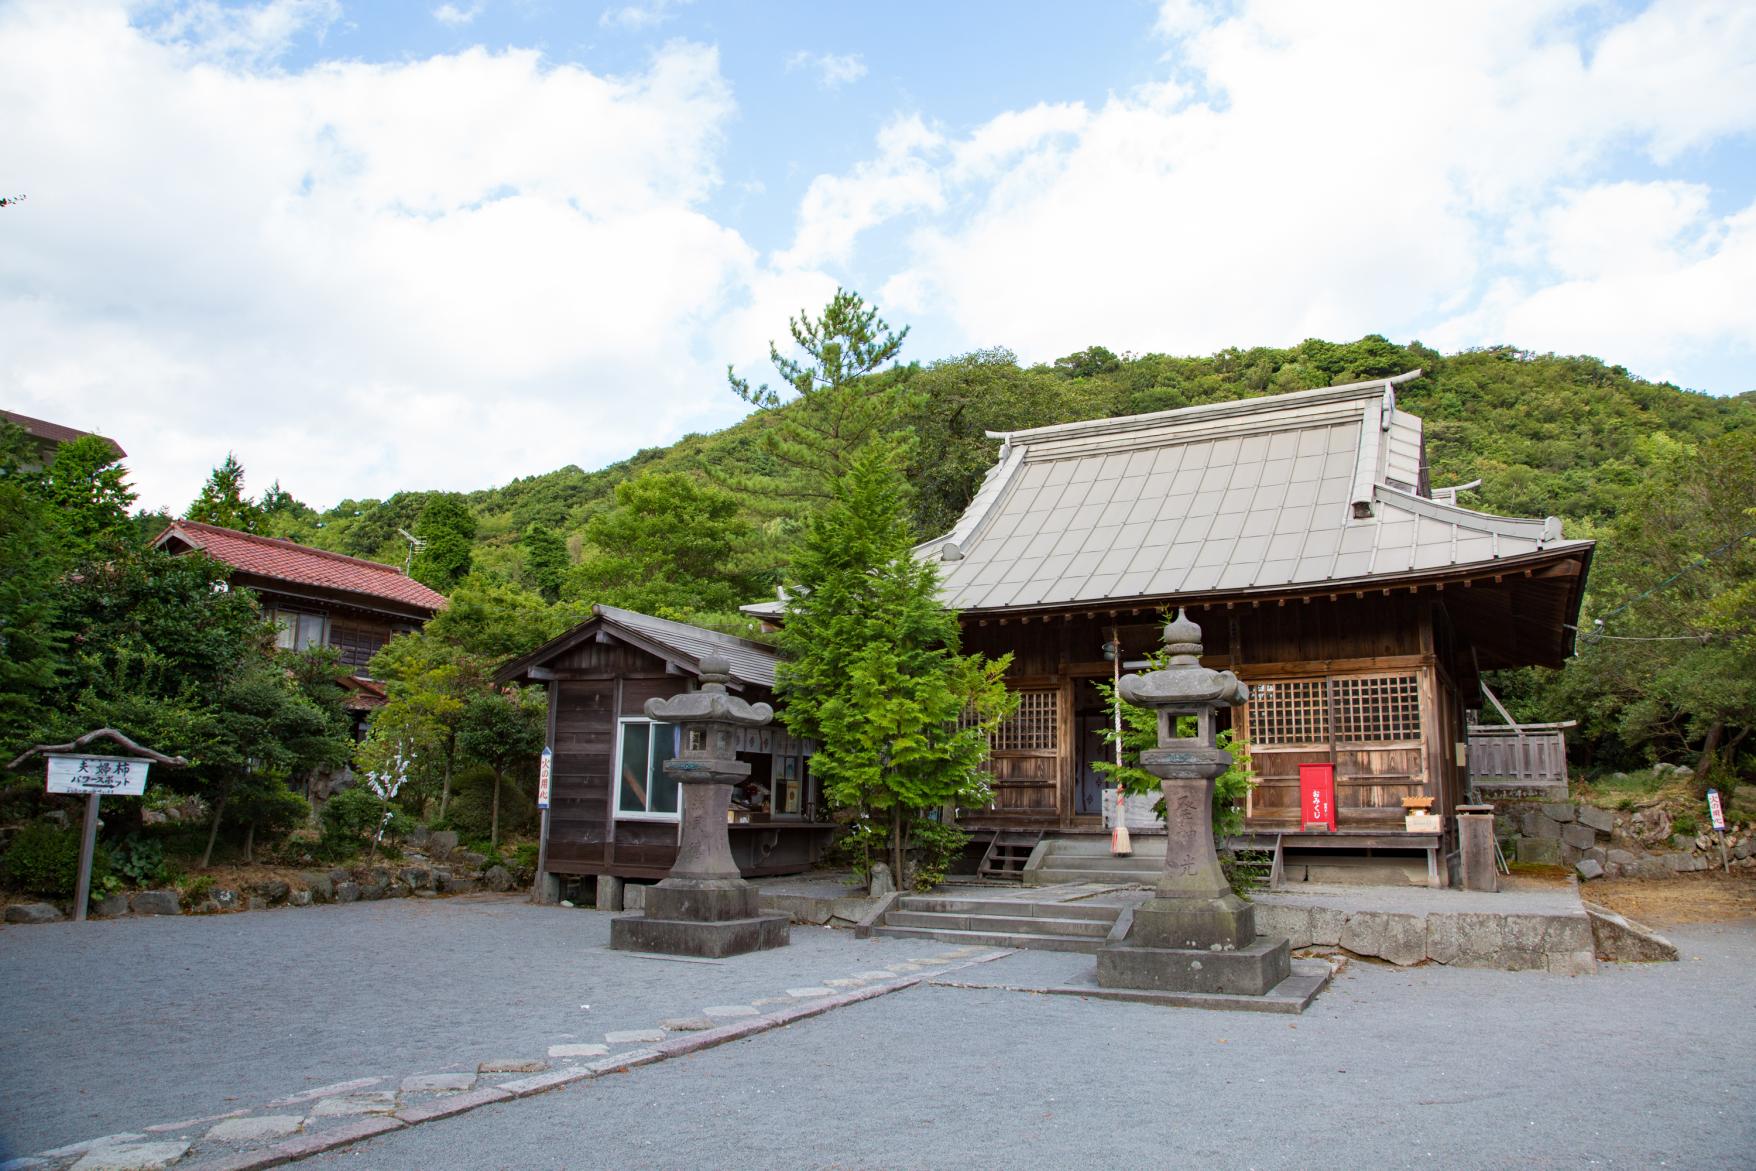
1598 623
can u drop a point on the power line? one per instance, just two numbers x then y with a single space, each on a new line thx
1693 565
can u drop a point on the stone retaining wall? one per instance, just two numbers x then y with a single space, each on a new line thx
1603 843
1561 943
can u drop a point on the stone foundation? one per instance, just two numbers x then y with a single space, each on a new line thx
689 937
1247 971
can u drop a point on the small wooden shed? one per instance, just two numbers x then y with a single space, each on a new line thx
612 809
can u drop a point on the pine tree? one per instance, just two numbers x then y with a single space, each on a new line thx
447 530
839 404
874 673
222 501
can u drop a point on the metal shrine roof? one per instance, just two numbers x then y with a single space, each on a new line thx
1288 491
680 643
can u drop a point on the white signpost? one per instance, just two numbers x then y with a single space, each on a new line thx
1717 814
98 776
545 772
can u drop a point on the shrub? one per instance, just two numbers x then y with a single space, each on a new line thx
351 818
1684 823
933 847
139 860
471 812
44 860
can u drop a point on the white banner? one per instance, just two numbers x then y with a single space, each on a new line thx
107 776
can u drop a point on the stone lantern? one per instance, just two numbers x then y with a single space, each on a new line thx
704 907
1194 935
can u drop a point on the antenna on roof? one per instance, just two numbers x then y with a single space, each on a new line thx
415 546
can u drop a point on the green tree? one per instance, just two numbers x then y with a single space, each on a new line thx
668 547
874 672
837 404
446 529
222 501
32 563
545 560
500 729
430 683
87 487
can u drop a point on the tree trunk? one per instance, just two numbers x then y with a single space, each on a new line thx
445 785
219 811
1708 749
494 826
250 842
896 851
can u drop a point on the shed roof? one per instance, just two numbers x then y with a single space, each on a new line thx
1314 488
289 561
686 645
55 432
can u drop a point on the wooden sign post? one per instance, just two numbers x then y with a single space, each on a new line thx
545 778
96 777
1717 814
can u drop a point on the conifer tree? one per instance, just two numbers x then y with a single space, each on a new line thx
222 501
874 672
839 402
545 560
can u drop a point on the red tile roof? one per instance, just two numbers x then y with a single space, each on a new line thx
53 432
290 561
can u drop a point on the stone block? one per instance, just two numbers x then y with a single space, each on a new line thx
133 1157
417 877
440 843
255 903
459 886
271 890
347 892
1589 868
1559 811
710 940
467 859
1467 939
634 1036
1579 835
364 1102
1678 863
1248 971
634 895
1226 922
1278 921
512 1065
497 879
321 886
1542 851
257 1129
1743 849
299 898
582 1050
438 1083
1648 867
1327 924
1618 858
1400 939
111 906
1601 820
398 889
1571 963
1622 940
226 900
33 913
155 902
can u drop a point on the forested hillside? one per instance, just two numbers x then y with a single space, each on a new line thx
679 530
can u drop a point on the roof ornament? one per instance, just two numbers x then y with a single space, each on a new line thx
951 551
1389 413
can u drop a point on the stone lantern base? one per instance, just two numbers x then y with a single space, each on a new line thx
1195 945
711 918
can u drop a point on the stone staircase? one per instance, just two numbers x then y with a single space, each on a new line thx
1040 925
1087 858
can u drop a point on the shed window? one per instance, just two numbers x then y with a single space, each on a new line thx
642 788
1034 727
1364 709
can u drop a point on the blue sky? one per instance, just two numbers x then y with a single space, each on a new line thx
440 245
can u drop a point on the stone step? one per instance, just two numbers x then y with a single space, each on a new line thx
1046 877
943 905
1099 847
1018 939
1103 862
1010 924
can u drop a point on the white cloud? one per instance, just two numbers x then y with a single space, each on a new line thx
833 70
362 277
643 14
452 16
1417 170
249 34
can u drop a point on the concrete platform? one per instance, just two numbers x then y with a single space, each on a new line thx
1526 926
1292 995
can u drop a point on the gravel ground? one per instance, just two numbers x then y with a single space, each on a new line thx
1638 1066
115 1026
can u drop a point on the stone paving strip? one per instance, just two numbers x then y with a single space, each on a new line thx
348 1112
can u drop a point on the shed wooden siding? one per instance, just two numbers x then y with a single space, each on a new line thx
1343 647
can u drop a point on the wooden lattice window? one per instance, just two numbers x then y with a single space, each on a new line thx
1034 727
1374 708
1290 712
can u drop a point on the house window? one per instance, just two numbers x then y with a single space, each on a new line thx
296 631
1291 712
357 644
643 791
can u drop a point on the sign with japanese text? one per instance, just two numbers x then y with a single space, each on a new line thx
544 772
1317 795
106 776
1716 811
